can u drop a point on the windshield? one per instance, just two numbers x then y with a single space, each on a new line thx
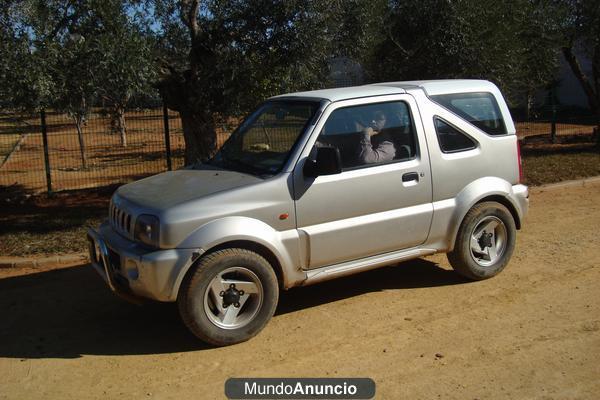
263 142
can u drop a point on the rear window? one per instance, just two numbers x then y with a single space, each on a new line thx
480 109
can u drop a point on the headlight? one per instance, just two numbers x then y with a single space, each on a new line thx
147 229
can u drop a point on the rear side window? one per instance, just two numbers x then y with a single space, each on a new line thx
480 109
450 138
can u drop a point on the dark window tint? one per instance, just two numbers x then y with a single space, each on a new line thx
451 139
480 109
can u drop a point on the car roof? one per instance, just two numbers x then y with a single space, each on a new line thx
431 87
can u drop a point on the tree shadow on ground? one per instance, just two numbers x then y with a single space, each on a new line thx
70 312
22 211
11 195
129 157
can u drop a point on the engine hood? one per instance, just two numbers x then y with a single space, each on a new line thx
162 191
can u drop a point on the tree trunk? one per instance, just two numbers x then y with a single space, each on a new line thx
120 119
592 97
529 106
592 91
199 135
79 126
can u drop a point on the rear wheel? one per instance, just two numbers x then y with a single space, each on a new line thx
229 297
485 241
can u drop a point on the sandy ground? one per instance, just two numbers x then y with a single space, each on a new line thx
417 329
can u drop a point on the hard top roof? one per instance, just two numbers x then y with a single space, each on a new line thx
431 87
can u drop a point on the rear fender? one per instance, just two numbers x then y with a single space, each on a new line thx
449 214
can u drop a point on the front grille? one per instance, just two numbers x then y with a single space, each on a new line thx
114 260
120 220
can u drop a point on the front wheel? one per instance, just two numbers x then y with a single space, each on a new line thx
485 241
229 297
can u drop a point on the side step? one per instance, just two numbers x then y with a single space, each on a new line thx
364 264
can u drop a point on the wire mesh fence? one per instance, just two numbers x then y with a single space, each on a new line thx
555 122
92 154
97 154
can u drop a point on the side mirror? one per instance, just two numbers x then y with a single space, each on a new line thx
327 162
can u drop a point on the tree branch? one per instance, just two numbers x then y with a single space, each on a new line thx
189 16
390 36
64 21
581 76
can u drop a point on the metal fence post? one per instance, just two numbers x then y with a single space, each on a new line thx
167 135
553 125
46 156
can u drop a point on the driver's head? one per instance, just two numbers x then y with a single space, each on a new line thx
379 120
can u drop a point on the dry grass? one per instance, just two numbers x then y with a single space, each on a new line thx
10 133
526 129
108 161
56 225
543 168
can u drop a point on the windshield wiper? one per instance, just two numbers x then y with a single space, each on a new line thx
236 165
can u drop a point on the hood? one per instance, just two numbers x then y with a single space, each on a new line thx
169 189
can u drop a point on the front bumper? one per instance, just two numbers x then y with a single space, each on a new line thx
133 271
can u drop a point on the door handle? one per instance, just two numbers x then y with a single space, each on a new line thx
410 176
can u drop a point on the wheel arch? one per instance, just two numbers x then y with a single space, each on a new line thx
246 233
479 191
255 247
506 203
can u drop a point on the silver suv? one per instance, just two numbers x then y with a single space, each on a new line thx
317 185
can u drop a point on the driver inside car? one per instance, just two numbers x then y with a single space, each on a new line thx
375 146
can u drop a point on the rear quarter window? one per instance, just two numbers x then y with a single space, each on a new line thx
480 109
451 139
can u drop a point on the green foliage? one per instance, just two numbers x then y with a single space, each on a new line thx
510 43
67 54
24 62
244 51
223 57
123 56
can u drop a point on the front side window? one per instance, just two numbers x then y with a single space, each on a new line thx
370 134
451 139
480 109
263 142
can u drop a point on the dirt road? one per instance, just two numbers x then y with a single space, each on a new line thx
416 328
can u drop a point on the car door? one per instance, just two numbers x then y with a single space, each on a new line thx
369 208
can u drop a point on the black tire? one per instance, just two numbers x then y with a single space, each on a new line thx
198 307
480 264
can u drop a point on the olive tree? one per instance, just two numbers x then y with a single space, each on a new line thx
222 57
26 56
581 27
124 64
69 55
510 43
